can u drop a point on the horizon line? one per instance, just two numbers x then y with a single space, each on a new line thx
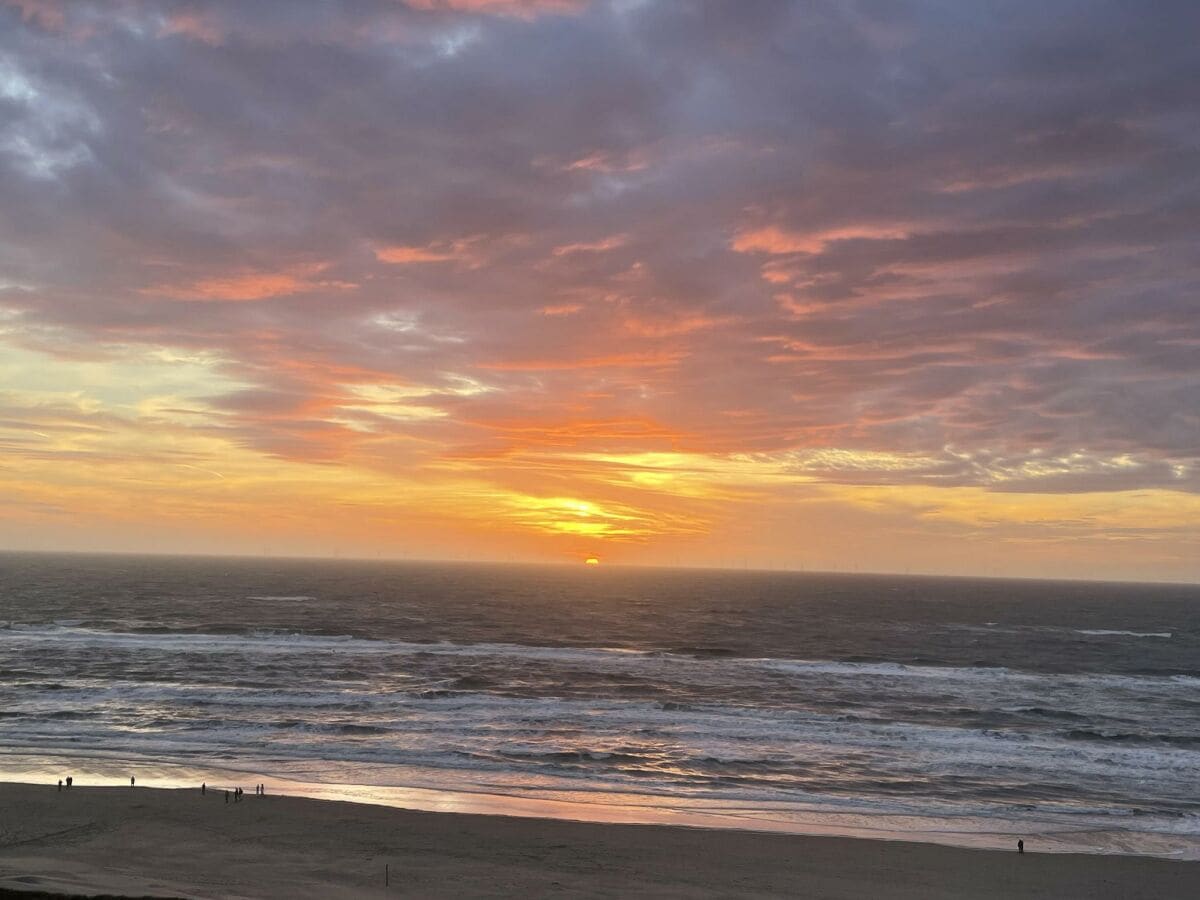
581 566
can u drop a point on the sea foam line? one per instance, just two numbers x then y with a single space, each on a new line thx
266 641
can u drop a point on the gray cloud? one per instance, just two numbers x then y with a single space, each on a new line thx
976 228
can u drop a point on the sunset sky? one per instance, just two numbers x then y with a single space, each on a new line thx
879 285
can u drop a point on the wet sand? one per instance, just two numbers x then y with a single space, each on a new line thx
177 843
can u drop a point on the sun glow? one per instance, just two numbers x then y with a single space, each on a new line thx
591 561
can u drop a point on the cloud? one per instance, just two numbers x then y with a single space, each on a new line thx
47 14
519 8
463 251
609 243
402 255
925 247
251 285
193 25
773 240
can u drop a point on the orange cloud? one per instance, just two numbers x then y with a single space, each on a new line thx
402 255
462 250
668 326
774 240
539 432
248 285
630 360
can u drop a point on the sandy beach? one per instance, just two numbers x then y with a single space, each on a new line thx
178 843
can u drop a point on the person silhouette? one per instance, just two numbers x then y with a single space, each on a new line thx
132 780
204 787
1020 846
60 784
70 780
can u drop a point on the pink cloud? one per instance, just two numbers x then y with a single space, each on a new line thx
46 13
193 25
605 161
249 285
771 239
464 250
608 243
401 254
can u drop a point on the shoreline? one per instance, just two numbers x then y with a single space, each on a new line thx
996 834
179 843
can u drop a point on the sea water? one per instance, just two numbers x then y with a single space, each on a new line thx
955 710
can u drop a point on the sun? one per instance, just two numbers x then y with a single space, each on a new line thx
592 561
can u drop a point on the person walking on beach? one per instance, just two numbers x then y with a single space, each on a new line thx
132 780
60 784
227 796
1020 846
203 788
70 781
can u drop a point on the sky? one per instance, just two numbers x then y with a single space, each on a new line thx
866 285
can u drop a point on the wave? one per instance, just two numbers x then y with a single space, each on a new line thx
477 719
619 717
1087 734
997 628
275 641
1116 632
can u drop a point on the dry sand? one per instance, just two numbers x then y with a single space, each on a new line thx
178 843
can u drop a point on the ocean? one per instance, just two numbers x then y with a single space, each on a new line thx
962 711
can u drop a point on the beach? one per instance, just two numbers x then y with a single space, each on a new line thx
179 843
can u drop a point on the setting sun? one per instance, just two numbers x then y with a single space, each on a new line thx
591 561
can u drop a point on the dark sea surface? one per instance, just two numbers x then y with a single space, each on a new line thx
947 709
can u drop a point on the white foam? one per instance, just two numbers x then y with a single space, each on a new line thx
1107 631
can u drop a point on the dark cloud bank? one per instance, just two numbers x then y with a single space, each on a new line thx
962 233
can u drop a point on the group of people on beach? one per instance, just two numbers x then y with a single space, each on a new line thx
259 790
70 780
